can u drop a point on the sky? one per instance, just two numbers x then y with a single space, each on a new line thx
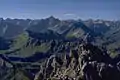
63 9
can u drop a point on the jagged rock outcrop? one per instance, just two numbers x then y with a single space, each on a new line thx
86 62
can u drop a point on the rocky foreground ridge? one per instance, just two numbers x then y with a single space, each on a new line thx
73 61
84 62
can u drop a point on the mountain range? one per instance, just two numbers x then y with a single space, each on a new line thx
103 31
30 47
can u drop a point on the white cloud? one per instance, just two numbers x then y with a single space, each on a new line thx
69 14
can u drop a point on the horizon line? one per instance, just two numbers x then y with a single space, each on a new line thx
4 18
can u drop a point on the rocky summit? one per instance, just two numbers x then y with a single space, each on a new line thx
86 62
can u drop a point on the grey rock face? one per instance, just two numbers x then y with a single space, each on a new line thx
87 62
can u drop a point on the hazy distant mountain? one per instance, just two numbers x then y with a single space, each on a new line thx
43 24
69 28
101 31
11 28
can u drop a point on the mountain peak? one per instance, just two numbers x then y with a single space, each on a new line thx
1 19
51 17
